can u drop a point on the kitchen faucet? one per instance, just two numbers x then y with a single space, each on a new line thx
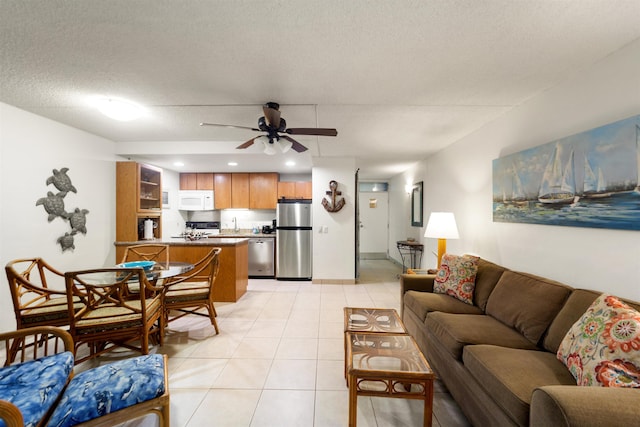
235 224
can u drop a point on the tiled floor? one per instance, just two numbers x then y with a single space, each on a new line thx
278 360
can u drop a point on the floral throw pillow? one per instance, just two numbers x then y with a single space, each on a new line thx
457 277
603 347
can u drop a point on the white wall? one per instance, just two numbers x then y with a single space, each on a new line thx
458 179
334 251
30 148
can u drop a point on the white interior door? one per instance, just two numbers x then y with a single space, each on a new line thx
374 222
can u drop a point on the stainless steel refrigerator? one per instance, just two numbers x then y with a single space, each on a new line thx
293 240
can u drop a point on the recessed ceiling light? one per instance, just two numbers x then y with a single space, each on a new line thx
290 163
232 164
119 109
178 164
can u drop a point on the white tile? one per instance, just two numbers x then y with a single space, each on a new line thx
292 375
197 373
301 329
332 410
297 348
285 408
243 374
184 403
331 349
331 375
331 330
304 314
226 408
221 346
398 412
267 328
262 371
256 348
274 313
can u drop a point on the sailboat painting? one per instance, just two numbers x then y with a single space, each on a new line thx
591 179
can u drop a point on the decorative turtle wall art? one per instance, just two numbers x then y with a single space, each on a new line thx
54 206
61 180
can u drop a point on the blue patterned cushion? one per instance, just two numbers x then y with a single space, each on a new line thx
35 385
109 388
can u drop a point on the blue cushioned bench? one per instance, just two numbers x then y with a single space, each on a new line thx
43 391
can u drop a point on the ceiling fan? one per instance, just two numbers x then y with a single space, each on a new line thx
275 126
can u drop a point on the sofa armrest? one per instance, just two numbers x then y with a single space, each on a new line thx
584 406
416 282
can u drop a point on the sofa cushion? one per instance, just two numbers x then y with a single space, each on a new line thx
422 303
457 277
526 302
34 386
454 331
486 279
603 347
109 388
511 375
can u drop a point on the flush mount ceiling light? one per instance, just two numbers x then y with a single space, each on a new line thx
290 163
178 164
232 164
119 109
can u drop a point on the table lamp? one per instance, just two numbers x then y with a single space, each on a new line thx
441 226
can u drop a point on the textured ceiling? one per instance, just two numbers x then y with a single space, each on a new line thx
398 79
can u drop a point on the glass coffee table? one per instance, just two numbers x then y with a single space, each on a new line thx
387 365
374 320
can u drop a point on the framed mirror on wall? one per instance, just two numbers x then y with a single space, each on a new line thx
416 205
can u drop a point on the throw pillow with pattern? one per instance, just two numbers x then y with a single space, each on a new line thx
457 277
603 347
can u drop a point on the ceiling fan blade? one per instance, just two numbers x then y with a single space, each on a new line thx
312 131
271 114
229 126
247 144
295 144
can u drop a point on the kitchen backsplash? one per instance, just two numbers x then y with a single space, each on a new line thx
247 219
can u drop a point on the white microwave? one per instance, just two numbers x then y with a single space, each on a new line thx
195 200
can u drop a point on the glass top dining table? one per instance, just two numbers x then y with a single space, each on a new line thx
160 272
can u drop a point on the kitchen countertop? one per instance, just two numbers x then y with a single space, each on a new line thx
211 241
243 235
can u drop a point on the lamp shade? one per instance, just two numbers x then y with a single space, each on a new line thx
442 225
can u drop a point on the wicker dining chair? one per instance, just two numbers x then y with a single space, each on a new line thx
108 318
146 252
34 302
193 290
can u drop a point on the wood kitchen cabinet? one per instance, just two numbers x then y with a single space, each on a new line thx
222 190
263 190
294 190
196 181
236 190
138 197
240 190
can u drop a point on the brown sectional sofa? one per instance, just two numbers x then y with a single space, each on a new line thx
498 356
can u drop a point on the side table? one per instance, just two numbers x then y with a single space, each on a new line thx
373 320
387 365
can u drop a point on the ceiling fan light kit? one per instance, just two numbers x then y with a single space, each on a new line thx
274 125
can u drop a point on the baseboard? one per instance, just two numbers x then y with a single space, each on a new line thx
333 281
373 255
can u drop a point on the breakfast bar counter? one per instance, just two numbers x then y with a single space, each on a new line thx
233 276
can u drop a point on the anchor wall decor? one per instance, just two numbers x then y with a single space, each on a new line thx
333 205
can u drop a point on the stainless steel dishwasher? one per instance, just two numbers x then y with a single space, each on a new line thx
261 260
